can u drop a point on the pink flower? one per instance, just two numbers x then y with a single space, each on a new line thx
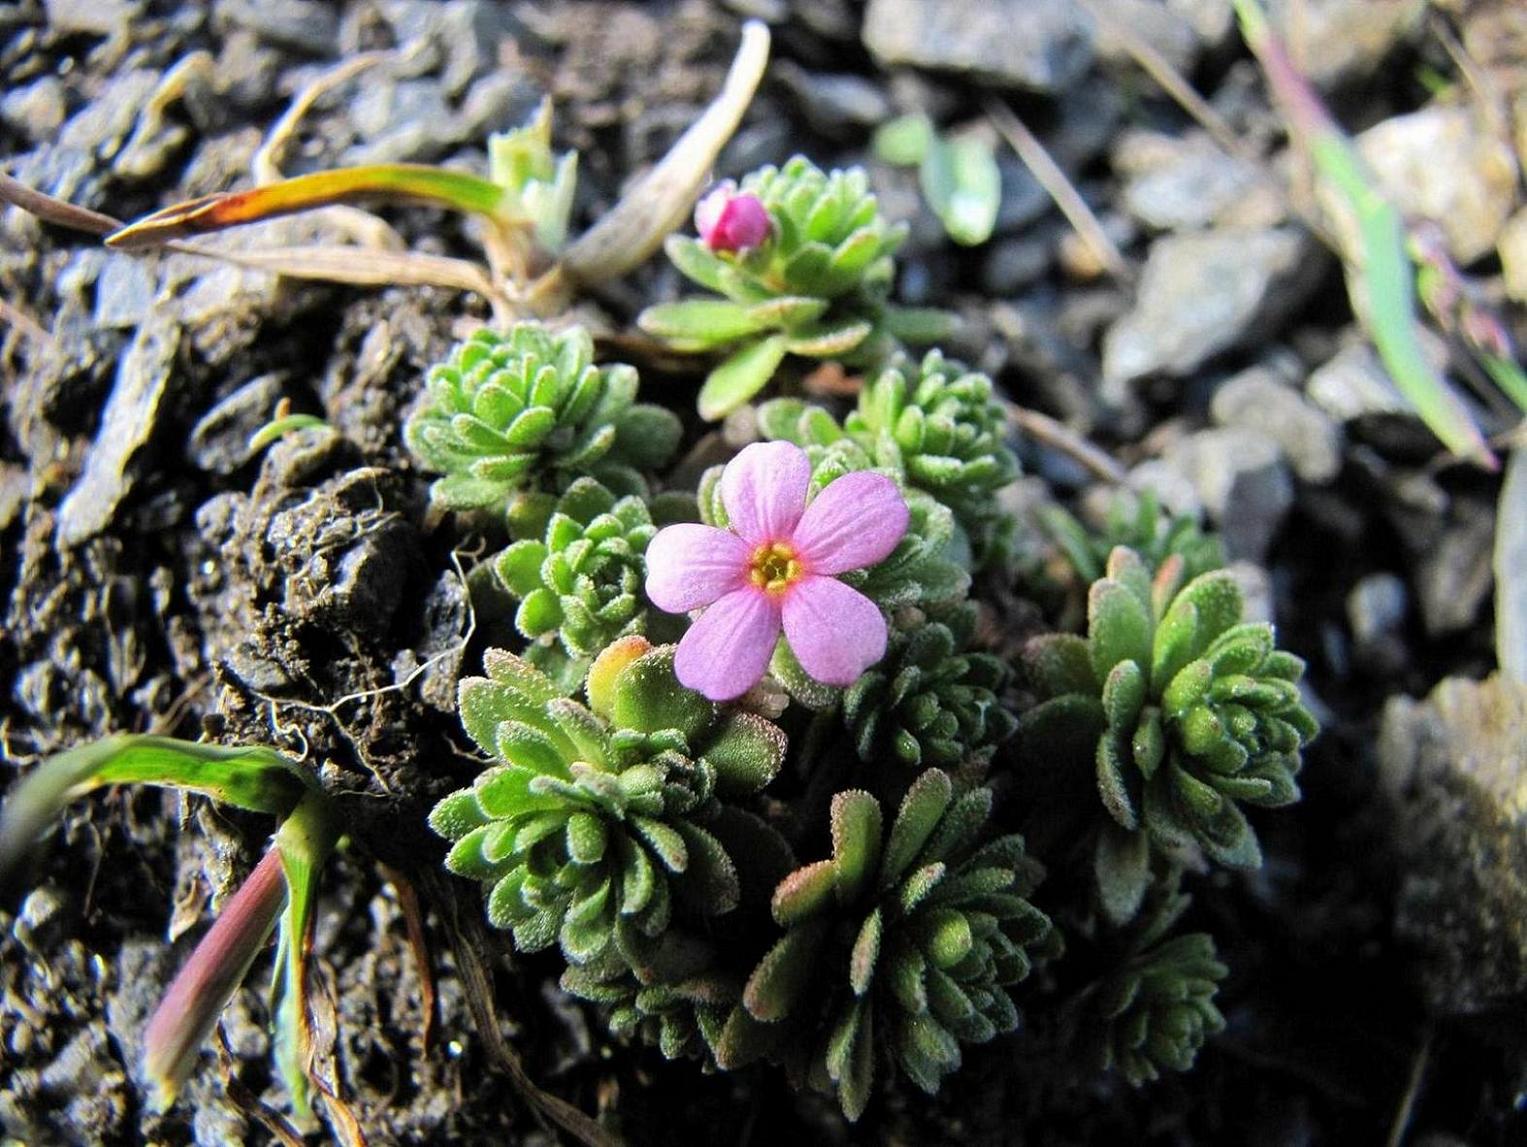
776 567
728 221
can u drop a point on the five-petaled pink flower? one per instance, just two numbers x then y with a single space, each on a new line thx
776 567
729 221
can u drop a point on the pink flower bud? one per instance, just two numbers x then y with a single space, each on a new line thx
728 221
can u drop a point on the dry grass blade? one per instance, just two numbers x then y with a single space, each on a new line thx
358 267
659 202
386 182
1044 429
1053 180
413 921
265 167
57 211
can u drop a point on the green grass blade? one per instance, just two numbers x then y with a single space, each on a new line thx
1508 376
253 777
1380 274
304 840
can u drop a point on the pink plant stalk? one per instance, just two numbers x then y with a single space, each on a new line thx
203 987
729 221
776 567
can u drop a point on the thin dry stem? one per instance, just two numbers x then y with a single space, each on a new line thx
1054 181
1042 428
1171 81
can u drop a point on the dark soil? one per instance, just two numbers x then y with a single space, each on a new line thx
305 598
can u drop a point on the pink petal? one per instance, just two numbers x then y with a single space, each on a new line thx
728 648
712 204
729 221
764 490
691 565
836 632
854 522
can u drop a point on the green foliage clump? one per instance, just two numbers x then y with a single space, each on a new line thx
1137 523
1196 712
937 426
931 701
1154 1012
580 580
590 825
677 1002
817 286
904 943
529 410
942 426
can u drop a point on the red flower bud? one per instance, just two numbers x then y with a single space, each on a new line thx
728 221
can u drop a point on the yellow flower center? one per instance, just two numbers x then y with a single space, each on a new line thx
774 567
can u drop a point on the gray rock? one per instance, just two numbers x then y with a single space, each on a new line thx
1211 19
94 17
1376 609
1453 576
1039 45
219 442
1256 591
1089 120
769 11
1451 770
408 120
36 110
91 139
1241 480
41 919
1335 39
1012 264
1203 293
840 105
468 33
127 423
1169 32
1174 490
124 291
1442 163
1353 384
1511 571
1258 400
1187 182
1024 201
303 25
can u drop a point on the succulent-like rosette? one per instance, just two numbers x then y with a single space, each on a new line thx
1156 1010
1199 714
904 944
529 410
1137 522
579 582
677 1003
813 283
591 824
931 700
942 427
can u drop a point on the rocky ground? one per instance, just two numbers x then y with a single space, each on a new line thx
159 575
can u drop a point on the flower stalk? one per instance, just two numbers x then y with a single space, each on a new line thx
203 987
